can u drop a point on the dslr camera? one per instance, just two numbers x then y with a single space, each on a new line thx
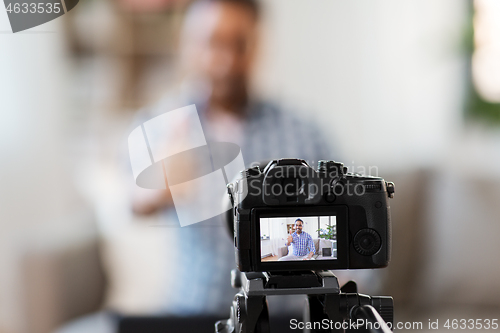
289 216
291 225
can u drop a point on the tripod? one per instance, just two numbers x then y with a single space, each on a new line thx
328 309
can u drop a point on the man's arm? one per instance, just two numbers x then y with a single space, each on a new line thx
289 239
148 201
310 247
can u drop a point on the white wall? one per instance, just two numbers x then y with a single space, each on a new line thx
385 78
36 191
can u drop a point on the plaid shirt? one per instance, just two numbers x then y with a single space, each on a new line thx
303 244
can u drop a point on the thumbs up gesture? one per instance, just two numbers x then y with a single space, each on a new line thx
290 238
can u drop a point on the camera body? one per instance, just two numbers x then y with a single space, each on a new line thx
348 212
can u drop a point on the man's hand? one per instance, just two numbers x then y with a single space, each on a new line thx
149 201
309 256
290 238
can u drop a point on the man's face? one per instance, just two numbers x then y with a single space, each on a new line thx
226 42
298 227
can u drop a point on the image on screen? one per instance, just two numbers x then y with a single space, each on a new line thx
298 238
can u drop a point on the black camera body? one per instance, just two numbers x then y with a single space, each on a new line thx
348 212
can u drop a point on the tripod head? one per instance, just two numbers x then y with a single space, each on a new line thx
329 308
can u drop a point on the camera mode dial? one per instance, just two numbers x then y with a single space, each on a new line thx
332 168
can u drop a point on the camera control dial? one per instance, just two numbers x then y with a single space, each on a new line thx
367 242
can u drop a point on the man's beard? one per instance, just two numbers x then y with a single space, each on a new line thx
234 93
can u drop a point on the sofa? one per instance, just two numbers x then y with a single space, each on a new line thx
319 243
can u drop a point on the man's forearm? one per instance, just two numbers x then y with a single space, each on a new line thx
146 202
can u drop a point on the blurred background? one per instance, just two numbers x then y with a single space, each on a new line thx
410 87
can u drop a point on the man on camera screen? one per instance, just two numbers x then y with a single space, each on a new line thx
302 242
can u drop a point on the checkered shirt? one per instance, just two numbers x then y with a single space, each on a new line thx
303 244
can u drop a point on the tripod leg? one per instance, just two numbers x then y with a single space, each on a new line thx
314 314
322 310
262 325
332 309
252 314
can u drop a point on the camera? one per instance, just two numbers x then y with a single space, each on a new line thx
291 224
288 216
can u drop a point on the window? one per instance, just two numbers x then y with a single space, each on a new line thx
327 225
484 98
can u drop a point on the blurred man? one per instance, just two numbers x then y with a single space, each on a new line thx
218 47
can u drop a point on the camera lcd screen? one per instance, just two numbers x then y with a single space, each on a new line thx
298 238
